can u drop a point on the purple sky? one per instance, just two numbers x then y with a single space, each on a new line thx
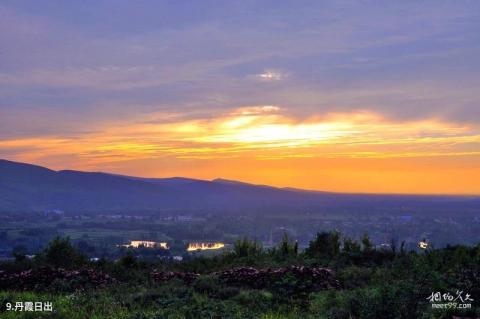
65 65
79 70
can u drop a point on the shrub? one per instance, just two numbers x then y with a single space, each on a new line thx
325 246
247 248
206 285
61 253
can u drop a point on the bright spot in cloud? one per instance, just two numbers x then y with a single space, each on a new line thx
270 75
255 110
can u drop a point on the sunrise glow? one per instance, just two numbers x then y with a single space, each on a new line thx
262 134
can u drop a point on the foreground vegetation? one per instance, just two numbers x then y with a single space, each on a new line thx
386 283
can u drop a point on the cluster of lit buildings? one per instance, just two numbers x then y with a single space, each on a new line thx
163 245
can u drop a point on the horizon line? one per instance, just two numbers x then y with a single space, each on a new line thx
253 183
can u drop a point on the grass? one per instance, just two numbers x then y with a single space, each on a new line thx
173 301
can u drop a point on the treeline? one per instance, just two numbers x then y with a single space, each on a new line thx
382 283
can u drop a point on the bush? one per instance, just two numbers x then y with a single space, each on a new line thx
325 246
256 300
227 292
61 253
206 285
247 248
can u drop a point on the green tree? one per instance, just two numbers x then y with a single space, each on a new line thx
351 246
247 248
326 245
61 253
19 252
287 247
367 243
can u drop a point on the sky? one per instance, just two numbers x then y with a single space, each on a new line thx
347 96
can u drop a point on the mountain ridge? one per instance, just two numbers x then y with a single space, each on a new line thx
28 187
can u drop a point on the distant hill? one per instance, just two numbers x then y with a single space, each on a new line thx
26 187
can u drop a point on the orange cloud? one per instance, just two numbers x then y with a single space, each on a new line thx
259 133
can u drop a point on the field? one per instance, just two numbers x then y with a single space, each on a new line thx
334 277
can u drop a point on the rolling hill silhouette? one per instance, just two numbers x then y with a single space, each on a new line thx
26 187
